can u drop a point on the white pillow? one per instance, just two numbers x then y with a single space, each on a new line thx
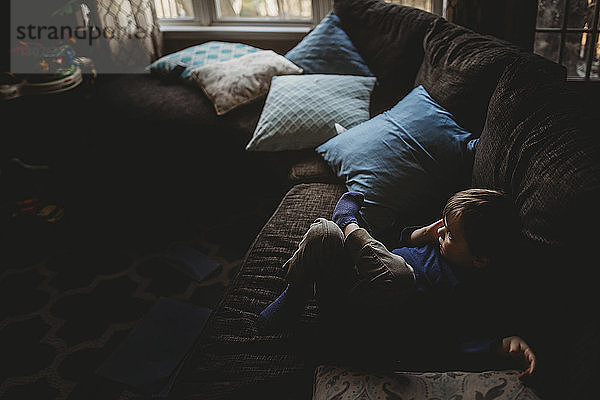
229 84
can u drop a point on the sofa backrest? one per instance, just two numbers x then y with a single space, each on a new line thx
389 37
540 145
460 70
405 47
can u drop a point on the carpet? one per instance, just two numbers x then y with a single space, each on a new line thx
70 298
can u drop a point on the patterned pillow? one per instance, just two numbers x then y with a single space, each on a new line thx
230 84
339 383
327 49
181 62
301 111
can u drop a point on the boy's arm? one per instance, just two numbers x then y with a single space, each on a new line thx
417 237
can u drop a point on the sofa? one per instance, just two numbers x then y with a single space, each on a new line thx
536 141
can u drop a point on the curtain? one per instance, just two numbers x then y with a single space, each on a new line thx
464 12
512 20
129 33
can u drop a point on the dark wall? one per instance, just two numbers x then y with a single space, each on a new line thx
589 91
512 20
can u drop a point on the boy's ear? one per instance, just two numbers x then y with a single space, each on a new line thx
481 261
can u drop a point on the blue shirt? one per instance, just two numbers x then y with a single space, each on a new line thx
433 275
435 278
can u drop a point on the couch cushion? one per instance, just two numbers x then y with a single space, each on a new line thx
231 358
312 168
389 37
171 107
341 383
460 70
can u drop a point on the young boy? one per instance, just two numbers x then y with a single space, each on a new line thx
352 270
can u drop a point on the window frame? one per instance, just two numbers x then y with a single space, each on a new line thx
206 25
564 30
205 14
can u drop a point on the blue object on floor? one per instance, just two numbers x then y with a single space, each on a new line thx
152 355
191 262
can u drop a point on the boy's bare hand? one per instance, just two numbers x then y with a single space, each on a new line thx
427 234
518 349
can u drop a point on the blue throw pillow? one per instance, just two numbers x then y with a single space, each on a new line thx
180 64
327 49
407 161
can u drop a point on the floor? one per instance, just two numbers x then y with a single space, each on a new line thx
72 289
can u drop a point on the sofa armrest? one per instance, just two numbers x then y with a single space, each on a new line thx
333 382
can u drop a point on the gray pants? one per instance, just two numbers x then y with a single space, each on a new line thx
351 273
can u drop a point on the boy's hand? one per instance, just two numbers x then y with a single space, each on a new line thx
427 234
518 349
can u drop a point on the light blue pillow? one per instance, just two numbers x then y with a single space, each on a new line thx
179 64
407 161
301 111
327 49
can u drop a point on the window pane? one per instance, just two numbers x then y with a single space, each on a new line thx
422 4
550 13
596 61
174 8
575 54
581 14
277 9
547 45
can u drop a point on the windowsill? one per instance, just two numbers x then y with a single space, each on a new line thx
234 32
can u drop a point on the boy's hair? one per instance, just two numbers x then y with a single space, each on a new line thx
489 221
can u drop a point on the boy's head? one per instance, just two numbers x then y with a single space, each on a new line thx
480 225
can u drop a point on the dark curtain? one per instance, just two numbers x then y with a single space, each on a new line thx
512 20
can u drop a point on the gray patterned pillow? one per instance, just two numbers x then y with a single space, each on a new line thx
229 84
301 111
338 383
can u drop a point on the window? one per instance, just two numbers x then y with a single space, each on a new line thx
433 6
567 32
249 12
267 12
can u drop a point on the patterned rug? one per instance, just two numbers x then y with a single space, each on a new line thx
68 299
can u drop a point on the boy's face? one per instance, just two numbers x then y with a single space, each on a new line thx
453 245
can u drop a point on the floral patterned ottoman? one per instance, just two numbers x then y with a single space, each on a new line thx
339 383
